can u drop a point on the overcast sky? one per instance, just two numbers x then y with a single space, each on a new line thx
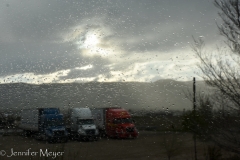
58 41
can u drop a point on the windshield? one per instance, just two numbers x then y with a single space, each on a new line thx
53 123
85 121
172 65
122 120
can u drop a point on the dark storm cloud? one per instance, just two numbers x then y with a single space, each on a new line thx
161 25
32 31
29 31
41 59
44 20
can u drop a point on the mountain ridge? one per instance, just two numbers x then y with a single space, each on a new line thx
157 95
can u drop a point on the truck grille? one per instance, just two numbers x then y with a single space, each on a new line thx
90 132
58 133
130 129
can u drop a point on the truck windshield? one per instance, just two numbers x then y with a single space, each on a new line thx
85 121
52 123
122 120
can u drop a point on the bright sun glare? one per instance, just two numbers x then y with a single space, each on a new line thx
90 43
90 40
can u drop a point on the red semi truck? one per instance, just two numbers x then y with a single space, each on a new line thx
115 122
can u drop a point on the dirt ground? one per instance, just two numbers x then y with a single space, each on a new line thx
149 145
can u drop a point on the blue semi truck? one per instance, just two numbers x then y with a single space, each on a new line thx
44 124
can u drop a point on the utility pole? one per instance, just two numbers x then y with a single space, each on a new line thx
194 94
194 115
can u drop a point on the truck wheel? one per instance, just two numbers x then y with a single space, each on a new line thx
49 140
91 138
52 140
65 140
26 133
78 138
117 136
103 134
85 139
38 137
96 138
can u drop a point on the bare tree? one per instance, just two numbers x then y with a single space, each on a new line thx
222 71
200 122
230 28
172 145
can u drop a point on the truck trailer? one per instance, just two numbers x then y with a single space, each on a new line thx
114 122
82 126
44 124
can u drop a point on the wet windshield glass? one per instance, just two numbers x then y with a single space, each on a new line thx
122 120
85 121
52 123
163 74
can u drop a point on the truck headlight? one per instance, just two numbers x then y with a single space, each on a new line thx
97 132
80 131
48 133
66 133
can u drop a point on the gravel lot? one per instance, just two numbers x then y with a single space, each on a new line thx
149 145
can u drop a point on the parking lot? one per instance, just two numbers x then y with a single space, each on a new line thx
149 145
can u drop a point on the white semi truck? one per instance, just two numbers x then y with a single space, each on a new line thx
81 124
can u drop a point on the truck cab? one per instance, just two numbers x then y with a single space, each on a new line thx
82 126
44 124
120 124
52 127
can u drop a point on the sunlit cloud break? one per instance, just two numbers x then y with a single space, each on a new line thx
55 77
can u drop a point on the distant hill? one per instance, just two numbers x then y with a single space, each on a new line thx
130 95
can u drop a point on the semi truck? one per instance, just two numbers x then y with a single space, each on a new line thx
114 122
82 126
44 124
